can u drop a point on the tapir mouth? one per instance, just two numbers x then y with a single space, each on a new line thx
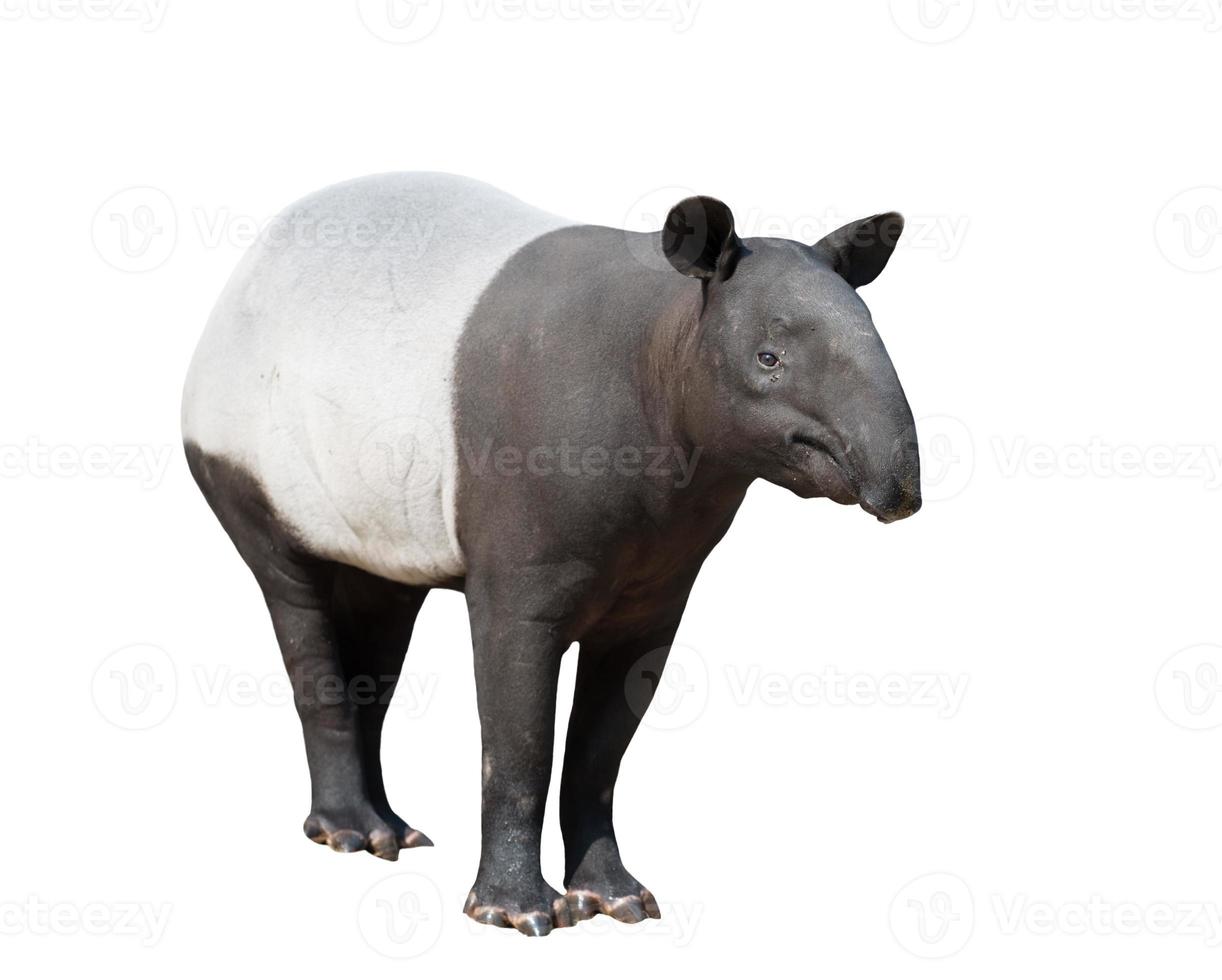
826 466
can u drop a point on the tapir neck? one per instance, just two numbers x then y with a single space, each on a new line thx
669 338
584 339
670 346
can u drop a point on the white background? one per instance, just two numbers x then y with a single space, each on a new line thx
1053 314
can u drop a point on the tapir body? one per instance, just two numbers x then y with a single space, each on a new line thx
417 381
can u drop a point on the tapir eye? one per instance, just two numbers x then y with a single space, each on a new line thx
767 358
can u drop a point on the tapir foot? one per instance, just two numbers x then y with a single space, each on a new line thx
361 828
633 903
601 885
534 912
404 834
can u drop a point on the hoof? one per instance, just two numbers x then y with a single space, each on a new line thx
585 904
414 838
530 918
348 831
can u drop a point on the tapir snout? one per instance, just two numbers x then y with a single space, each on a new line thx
901 499
888 467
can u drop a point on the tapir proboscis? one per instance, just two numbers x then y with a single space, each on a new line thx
415 381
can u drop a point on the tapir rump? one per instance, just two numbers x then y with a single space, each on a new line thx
416 381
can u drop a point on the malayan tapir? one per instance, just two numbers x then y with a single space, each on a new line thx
415 381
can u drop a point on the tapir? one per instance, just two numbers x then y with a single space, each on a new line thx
415 381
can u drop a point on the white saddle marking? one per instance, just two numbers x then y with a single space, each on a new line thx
326 368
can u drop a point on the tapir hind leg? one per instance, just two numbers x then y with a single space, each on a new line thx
334 625
374 619
615 683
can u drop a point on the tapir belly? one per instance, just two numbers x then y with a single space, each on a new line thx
327 366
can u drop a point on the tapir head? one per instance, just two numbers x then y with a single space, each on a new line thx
789 379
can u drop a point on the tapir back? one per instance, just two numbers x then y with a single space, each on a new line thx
327 366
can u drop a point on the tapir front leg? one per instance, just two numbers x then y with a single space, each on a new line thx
615 683
517 664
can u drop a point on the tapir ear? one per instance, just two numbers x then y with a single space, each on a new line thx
860 249
698 237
